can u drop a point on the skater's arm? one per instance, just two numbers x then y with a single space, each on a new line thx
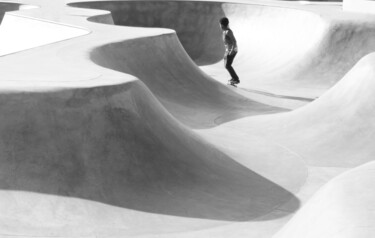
232 46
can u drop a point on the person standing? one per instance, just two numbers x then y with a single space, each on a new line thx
231 49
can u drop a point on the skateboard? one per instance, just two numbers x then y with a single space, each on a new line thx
231 83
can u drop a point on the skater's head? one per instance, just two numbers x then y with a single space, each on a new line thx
224 22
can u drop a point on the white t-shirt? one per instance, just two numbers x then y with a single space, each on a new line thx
229 41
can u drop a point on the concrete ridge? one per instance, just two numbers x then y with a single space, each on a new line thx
16 34
180 95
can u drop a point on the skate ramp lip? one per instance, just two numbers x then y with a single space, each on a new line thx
196 27
19 33
186 92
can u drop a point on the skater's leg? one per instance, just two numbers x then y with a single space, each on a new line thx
228 60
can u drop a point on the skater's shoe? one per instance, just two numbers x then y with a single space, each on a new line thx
235 81
232 82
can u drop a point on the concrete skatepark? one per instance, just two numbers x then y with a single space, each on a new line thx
116 120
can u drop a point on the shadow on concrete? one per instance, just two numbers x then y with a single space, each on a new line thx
117 145
196 23
7 7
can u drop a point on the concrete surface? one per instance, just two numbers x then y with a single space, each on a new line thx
363 6
122 126
19 33
339 209
313 60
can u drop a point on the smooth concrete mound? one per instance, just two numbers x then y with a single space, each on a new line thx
335 130
343 208
116 145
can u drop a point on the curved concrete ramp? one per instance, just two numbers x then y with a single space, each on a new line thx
284 51
341 209
189 94
116 145
335 130
349 128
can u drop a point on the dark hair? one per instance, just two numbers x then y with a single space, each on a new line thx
224 21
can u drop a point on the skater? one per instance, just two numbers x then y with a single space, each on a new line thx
231 50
